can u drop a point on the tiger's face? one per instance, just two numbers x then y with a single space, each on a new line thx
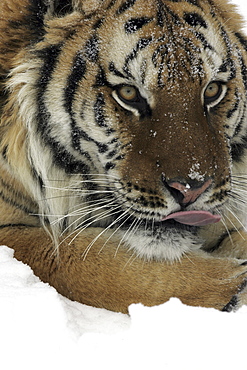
145 107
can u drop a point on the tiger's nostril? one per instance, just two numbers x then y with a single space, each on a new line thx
176 193
184 192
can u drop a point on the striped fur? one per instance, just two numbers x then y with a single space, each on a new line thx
78 158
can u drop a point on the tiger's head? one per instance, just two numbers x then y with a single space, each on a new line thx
136 113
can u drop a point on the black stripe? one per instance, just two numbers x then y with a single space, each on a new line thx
76 139
134 24
194 19
112 3
125 6
77 134
224 66
4 153
229 58
240 123
78 71
160 53
141 44
230 306
232 67
92 49
62 7
99 110
233 110
162 13
243 72
64 159
120 157
15 204
50 57
109 166
100 79
203 40
242 39
98 23
14 193
102 147
83 108
238 149
38 179
235 107
61 157
112 154
115 71
161 50
16 225
35 18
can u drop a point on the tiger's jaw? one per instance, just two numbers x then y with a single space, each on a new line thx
164 240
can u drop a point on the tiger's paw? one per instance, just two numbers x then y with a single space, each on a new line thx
220 283
240 298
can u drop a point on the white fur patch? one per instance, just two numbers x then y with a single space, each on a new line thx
169 246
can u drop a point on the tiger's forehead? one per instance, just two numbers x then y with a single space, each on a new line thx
150 47
162 43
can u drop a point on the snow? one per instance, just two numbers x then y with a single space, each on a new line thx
40 329
194 173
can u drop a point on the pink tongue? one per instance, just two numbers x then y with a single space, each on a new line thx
195 218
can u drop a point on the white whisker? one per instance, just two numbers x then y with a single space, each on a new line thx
239 221
101 233
93 219
96 218
226 227
133 228
83 215
81 191
118 219
132 258
126 233
239 190
82 212
88 224
85 253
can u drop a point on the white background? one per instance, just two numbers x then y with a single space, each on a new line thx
39 329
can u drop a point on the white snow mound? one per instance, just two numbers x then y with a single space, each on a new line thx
40 329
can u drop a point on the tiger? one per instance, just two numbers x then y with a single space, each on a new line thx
123 149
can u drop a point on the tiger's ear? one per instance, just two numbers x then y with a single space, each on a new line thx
63 7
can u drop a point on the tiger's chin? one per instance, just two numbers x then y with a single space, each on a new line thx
167 241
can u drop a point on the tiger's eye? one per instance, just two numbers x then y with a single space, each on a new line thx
128 93
212 92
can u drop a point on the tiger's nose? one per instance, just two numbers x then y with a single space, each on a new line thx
186 193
